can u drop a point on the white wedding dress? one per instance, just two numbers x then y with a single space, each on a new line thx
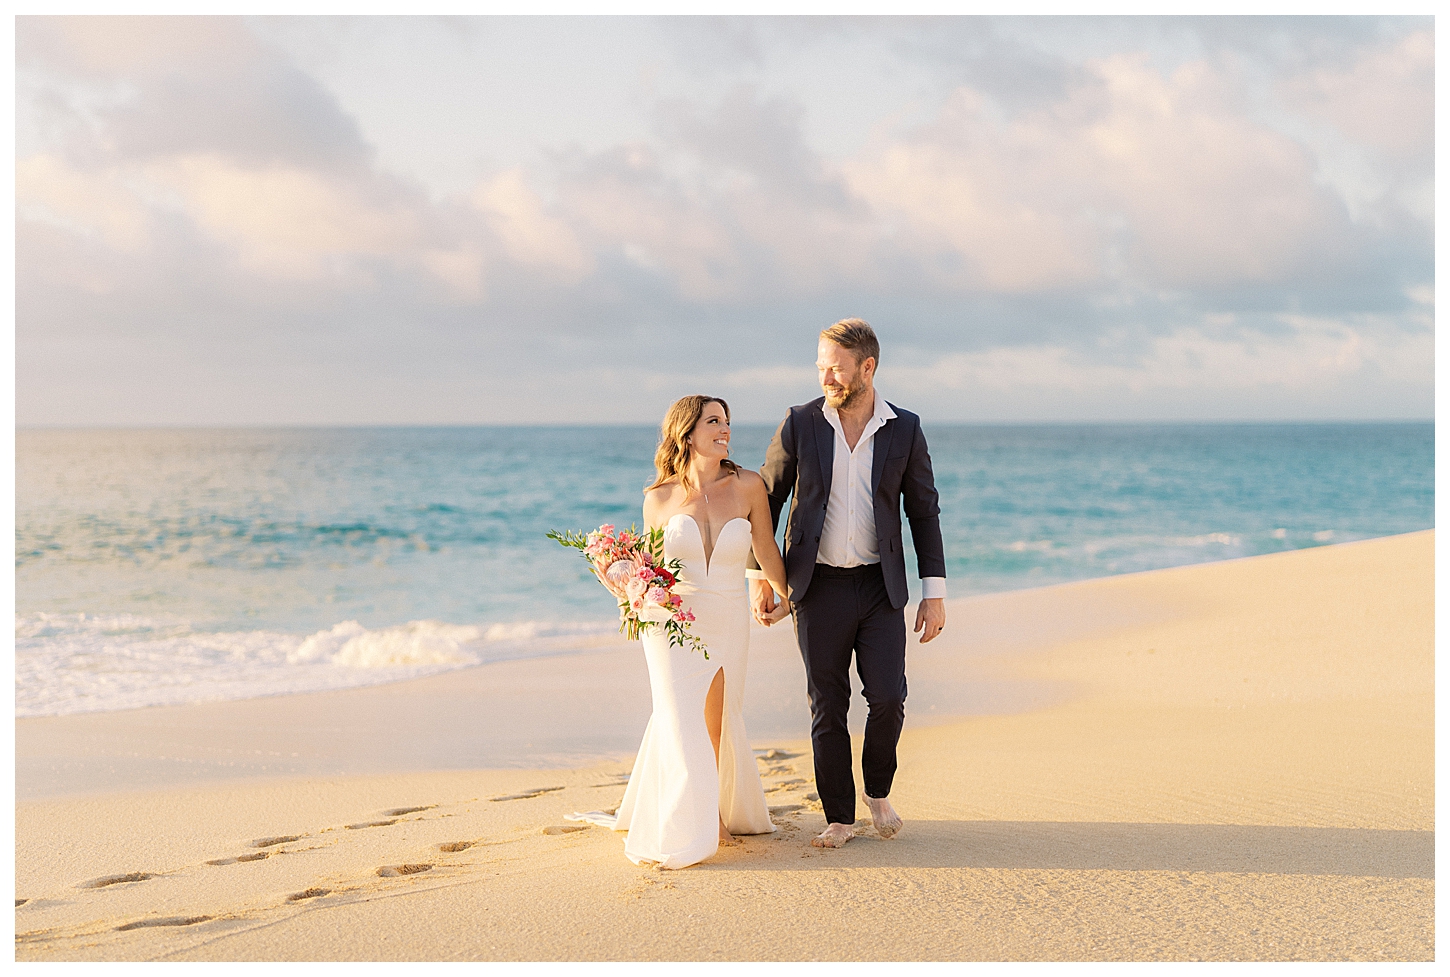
675 798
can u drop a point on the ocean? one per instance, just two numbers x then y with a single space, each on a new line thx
166 566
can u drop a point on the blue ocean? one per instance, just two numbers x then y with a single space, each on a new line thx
166 566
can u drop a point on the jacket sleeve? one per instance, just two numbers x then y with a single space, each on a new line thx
919 498
779 472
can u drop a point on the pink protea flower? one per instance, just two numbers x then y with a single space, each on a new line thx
619 575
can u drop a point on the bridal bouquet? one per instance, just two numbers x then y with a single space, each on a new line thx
632 567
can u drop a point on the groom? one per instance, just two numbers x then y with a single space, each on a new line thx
850 461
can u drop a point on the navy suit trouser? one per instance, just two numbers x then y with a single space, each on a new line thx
845 611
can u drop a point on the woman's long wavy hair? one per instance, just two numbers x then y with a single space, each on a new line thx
672 458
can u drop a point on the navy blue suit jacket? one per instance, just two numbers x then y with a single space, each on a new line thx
798 464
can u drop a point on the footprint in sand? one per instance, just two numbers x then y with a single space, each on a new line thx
786 808
525 795
307 894
393 871
20 902
564 829
279 840
255 856
372 824
784 785
164 921
455 846
106 880
398 812
775 755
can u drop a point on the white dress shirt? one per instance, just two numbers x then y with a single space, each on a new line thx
848 538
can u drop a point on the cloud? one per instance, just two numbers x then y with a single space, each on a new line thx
1384 100
95 205
1142 218
963 197
1162 182
287 222
190 85
1331 368
530 235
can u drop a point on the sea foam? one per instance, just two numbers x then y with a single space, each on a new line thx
70 663
415 643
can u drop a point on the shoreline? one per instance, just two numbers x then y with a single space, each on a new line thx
63 656
597 639
1235 762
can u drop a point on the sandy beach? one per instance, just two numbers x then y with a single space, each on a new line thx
1229 761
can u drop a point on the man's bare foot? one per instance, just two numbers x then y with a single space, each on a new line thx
835 836
883 815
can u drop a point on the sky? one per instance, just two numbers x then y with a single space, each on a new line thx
513 220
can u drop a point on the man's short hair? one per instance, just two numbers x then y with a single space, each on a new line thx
857 336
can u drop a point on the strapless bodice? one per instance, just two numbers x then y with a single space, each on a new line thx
724 573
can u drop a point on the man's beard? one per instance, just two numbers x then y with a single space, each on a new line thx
847 399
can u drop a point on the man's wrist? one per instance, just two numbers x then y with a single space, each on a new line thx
755 574
933 588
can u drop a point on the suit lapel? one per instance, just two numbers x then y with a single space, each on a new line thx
879 450
825 448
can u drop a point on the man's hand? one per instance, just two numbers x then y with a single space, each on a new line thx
931 614
762 601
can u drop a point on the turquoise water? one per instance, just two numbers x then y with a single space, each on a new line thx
162 566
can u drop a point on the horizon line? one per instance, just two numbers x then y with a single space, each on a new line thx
544 425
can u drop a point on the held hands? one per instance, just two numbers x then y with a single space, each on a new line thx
931 614
782 610
764 605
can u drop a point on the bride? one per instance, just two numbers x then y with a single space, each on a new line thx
695 782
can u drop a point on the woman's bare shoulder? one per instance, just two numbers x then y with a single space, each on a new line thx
751 482
660 496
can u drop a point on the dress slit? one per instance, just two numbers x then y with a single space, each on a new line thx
724 709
